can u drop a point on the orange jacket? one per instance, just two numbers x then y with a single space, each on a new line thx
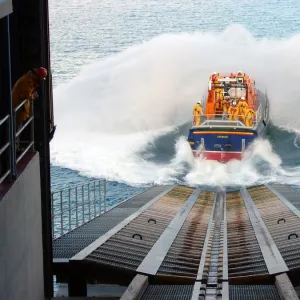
234 110
24 88
197 110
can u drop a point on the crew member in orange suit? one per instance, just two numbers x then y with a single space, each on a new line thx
197 111
215 78
26 88
243 106
226 105
233 111
249 116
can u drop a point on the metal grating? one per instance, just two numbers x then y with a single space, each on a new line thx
289 193
128 245
127 248
168 292
244 254
253 292
281 223
184 255
73 242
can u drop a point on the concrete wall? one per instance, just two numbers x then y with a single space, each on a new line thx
21 256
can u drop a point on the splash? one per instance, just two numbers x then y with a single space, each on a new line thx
116 107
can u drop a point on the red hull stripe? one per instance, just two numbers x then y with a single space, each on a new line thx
221 156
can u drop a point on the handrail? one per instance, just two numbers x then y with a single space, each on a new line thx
30 121
209 120
69 212
14 138
6 172
4 119
20 105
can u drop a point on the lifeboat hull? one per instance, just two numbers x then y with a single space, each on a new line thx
219 156
233 115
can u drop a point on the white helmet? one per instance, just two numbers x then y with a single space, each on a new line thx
215 73
243 98
240 72
199 102
234 102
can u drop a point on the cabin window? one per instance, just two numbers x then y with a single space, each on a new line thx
217 146
228 146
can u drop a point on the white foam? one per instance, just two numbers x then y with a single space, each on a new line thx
114 107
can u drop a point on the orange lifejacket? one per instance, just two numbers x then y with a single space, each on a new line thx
225 106
24 88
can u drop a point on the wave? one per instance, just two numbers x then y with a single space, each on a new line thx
126 117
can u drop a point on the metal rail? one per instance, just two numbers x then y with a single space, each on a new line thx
101 240
274 260
210 228
15 146
270 252
74 206
155 257
217 120
201 268
29 144
197 247
210 278
5 150
225 285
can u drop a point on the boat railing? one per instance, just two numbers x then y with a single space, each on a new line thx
218 120
14 144
74 206
258 114
223 85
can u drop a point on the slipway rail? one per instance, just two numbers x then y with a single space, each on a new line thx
178 242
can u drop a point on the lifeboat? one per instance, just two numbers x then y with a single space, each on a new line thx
233 114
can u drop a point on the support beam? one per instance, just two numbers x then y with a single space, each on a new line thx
225 291
207 238
225 285
225 249
136 288
285 288
196 290
77 285
273 259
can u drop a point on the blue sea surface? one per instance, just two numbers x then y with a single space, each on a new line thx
85 31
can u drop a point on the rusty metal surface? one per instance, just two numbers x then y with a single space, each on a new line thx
128 247
156 255
184 255
205 246
244 255
282 193
283 225
73 242
287 192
